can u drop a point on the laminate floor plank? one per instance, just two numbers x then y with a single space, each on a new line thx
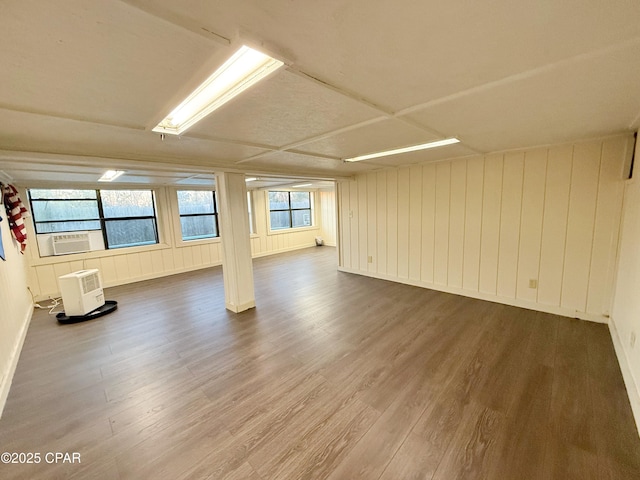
332 376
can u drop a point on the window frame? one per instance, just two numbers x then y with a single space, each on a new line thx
215 216
101 216
311 210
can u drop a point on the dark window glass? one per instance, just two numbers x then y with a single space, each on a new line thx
290 210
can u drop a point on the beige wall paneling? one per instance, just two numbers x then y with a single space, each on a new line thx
328 216
381 222
554 224
392 222
510 224
404 184
457 214
441 236
533 188
372 214
491 211
362 222
345 224
415 222
615 153
580 224
428 222
355 228
473 224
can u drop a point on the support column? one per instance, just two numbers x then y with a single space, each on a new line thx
237 266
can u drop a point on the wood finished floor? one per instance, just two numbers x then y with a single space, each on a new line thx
332 376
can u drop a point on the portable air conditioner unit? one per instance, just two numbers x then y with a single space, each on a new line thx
81 292
65 243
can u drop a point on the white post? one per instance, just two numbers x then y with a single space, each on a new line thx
237 266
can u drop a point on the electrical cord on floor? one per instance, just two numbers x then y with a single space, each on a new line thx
55 302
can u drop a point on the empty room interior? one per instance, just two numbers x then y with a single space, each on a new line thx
332 240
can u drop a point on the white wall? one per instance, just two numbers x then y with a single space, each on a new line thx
170 256
15 307
625 314
485 226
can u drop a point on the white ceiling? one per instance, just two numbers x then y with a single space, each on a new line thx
83 82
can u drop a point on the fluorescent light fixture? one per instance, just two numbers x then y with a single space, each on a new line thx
250 179
245 68
110 175
423 146
302 185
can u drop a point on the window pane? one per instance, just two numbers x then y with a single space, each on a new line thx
300 200
128 233
44 210
278 200
67 226
202 226
193 201
301 218
127 203
280 220
61 194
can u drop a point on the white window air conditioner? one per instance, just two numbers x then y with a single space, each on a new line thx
81 292
65 243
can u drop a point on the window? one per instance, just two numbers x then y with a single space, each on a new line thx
289 210
252 220
198 214
126 218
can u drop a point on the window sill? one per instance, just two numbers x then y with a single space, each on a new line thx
293 230
74 257
201 241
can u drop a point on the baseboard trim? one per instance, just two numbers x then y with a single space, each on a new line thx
633 392
283 250
514 302
240 308
15 356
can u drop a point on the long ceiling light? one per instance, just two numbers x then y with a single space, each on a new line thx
245 68
423 146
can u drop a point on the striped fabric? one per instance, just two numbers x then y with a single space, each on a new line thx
15 212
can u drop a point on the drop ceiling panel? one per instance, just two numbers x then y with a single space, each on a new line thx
288 162
27 132
398 54
283 109
594 97
383 135
101 61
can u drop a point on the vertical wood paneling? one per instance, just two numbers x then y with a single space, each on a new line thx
607 221
428 221
392 222
122 267
580 223
510 224
415 222
156 260
457 214
355 244
404 184
381 221
554 224
108 270
372 217
362 222
533 187
133 260
345 224
473 224
145 263
490 238
441 238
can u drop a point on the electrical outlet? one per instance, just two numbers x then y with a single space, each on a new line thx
369 259
632 339
350 213
533 283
